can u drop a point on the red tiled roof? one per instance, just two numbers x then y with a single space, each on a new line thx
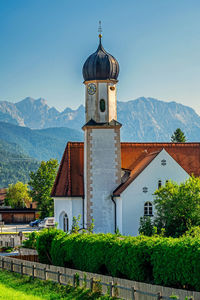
135 172
70 181
3 192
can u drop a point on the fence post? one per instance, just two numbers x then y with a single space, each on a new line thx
45 274
91 283
2 263
74 280
111 289
22 268
11 266
59 274
33 271
133 293
159 296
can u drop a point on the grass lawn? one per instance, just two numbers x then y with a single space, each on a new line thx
13 286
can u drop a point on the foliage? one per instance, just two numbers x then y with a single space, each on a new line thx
44 241
17 195
42 182
178 207
75 224
14 164
194 231
91 227
6 249
178 136
15 286
146 226
159 260
31 240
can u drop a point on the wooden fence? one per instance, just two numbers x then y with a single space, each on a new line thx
122 288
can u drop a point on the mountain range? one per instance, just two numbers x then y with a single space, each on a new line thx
143 119
31 131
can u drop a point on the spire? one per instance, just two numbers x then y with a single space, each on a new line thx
100 31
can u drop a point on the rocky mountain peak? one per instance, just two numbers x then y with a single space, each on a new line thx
143 119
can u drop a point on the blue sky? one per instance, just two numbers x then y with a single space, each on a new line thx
44 43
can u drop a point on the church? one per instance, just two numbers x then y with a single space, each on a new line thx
104 179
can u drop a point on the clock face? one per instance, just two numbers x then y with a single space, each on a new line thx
91 89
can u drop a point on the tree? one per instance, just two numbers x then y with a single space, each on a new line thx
178 136
17 195
146 226
178 207
41 183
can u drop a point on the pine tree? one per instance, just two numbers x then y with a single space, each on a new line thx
178 136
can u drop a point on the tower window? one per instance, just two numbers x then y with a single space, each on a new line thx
159 184
148 209
102 105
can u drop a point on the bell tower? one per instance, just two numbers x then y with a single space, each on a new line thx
102 150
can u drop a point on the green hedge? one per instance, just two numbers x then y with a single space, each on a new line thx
126 257
158 260
44 241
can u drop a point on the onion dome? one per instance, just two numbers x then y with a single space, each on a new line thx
100 65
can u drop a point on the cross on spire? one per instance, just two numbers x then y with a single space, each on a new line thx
100 30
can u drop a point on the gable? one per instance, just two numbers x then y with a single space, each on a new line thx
70 179
154 166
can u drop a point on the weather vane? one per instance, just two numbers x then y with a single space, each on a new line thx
100 29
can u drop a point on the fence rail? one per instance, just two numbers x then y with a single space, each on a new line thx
112 288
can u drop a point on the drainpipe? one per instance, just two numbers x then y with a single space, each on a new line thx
115 213
83 212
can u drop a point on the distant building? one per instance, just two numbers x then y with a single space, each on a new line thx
2 196
104 179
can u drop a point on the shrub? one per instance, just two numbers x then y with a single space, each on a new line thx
82 251
176 262
159 260
44 241
146 226
31 241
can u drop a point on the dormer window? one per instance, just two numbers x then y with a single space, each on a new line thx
102 105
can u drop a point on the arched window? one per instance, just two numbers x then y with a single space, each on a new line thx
102 105
65 223
148 209
159 184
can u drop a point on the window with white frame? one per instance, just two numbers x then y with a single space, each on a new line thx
148 209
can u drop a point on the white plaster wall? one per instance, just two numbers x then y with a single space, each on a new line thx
77 209
112 99
118 201
133 198
72 206
90 105
103 170
103 94
85 177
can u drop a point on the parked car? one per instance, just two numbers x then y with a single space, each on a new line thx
34 223
47 223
